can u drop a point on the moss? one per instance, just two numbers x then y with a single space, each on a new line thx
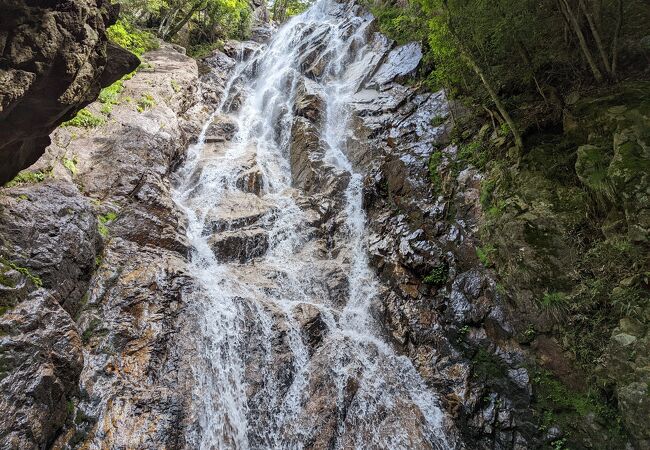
36 281
91 330
84 119
474 153
5 280
558 404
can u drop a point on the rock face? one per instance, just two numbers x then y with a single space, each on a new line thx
442 306
94 274
55 60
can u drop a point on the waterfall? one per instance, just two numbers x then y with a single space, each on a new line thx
291 352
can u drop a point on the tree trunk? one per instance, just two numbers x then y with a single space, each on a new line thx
495 98
177 27
597 39
617 33
467 55
571 18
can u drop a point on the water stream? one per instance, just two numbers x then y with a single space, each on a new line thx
291 352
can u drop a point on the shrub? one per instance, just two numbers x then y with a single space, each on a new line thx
134 40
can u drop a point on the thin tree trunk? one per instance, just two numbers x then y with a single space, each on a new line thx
571 18
597 39
177 27
497 101
617 33
486 83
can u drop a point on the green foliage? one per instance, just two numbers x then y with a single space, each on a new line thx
561 405
131 38
486 254
553 299
110 95
70 164
36 281
520 49
145 102
103 220
84 119
284 9
29 177
203 50
487 366
473 153
438 275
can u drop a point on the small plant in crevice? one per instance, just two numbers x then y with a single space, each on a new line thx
91 330
145 102
103 220
70 164
436 121
29 177
84 119
438 275
434 161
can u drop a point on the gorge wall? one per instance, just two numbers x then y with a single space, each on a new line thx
135 244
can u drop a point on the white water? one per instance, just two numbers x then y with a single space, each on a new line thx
258 383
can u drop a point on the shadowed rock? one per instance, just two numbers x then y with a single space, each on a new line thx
55 60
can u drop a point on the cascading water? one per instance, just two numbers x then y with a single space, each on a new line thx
291 356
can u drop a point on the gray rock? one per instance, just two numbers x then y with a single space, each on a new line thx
56 59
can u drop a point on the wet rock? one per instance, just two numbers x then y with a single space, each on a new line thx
241 50
56 59
242 245
114 188
400 63
40 362
309 101
236 211
51 229
312 324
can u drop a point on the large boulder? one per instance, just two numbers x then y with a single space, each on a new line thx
55 60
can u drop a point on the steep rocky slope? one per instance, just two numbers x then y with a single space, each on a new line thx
98 301
54 59
93 270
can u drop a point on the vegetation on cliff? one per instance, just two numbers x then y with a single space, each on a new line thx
197 24
551 103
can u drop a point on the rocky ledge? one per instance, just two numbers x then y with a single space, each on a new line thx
54 59
93 271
